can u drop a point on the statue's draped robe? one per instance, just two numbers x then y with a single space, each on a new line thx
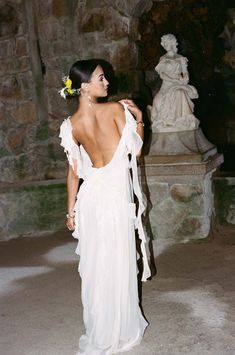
172 105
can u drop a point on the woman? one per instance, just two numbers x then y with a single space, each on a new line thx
172 106
98 139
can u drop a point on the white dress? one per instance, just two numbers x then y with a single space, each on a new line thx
105 218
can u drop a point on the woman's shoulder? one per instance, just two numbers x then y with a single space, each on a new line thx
113 106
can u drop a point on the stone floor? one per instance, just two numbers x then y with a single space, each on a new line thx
189 304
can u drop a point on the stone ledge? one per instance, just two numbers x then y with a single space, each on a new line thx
154 168
29 185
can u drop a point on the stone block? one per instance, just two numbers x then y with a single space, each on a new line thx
185 193
9 19
158 192
116 25
15 139
25 113
89 50
60 8
191 226
165 219
53 79
10 87
26 83
21 47
51 32
43 9
14 65
92 22
6 48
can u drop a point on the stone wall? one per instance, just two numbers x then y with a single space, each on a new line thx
39 40
32 208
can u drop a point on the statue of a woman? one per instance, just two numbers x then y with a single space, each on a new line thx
172 108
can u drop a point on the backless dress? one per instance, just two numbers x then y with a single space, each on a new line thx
105 223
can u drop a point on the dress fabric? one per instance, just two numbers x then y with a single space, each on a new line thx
105 220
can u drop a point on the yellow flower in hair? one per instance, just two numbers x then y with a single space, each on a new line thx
68 83
70 91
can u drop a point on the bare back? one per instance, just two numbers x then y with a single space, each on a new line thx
99 131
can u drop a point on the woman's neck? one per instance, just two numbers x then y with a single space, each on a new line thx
87 102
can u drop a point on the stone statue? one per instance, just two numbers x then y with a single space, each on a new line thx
172 108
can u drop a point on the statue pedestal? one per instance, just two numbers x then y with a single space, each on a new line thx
176 180
185 146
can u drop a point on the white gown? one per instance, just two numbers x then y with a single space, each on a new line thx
105 218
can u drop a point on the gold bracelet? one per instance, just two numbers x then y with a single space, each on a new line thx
140 122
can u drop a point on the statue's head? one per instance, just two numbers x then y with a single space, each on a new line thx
169 42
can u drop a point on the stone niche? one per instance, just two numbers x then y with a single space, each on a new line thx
205 32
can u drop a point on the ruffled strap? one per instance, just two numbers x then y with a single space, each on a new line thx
71 149
134 145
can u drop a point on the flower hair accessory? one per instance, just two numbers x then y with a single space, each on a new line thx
67 90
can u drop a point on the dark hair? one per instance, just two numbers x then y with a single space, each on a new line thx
81 72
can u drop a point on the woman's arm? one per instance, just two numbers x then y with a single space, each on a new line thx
138 117
72 189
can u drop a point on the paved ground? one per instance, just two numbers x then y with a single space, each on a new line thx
189 304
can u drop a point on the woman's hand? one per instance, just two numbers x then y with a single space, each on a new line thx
70 223
138 116
132 108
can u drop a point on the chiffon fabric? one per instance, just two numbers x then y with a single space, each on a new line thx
105 220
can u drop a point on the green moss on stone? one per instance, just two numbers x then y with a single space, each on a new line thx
20 167
4 152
